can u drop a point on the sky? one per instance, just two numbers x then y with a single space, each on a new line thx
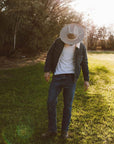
101 12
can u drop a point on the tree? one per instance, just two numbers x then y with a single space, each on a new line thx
92 38
102 33
110 42
13 12
32 25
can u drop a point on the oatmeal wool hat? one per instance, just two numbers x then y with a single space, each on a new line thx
72 33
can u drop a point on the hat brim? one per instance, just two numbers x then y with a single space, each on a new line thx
79 34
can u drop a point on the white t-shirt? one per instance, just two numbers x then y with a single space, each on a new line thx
65 63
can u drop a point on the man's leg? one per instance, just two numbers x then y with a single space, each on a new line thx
68 94
54 91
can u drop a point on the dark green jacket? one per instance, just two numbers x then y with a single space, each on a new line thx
80 59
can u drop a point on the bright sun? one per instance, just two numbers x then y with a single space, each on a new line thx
100 11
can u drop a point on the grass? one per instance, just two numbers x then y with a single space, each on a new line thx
23 110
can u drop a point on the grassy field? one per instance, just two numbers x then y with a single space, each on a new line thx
23 110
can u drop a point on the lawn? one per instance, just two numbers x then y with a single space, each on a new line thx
23 110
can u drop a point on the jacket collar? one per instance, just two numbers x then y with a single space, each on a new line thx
78 45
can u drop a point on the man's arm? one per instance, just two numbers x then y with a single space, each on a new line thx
48 63
85 69
86 85
47 76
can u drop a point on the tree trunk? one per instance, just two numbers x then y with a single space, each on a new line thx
15 35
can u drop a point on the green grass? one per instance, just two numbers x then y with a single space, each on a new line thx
23 110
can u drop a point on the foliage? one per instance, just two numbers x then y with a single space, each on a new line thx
32 25
110 41
23 108
100 38
92 38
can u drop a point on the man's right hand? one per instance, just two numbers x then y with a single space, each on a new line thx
47 76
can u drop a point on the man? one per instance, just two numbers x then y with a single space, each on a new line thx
65 59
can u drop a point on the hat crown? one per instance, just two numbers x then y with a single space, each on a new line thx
72 28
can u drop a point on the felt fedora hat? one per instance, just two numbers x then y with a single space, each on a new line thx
72 33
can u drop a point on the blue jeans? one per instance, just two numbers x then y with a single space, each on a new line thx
66 83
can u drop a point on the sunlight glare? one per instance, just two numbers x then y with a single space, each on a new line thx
100 11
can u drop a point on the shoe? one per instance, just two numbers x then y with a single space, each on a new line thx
64 135
49 134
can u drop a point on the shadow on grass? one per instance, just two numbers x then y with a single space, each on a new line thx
101 69
22 103
23 110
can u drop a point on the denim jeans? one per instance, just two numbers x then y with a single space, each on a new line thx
66 83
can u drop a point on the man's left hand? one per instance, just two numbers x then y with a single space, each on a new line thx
86 85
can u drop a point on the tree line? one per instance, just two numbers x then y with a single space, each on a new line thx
30 26
100 38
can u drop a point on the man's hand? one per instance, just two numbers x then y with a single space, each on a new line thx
47 76
86 85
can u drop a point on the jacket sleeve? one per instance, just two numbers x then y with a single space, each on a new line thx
85 68
48 62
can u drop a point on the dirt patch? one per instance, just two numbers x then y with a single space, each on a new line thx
7 63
